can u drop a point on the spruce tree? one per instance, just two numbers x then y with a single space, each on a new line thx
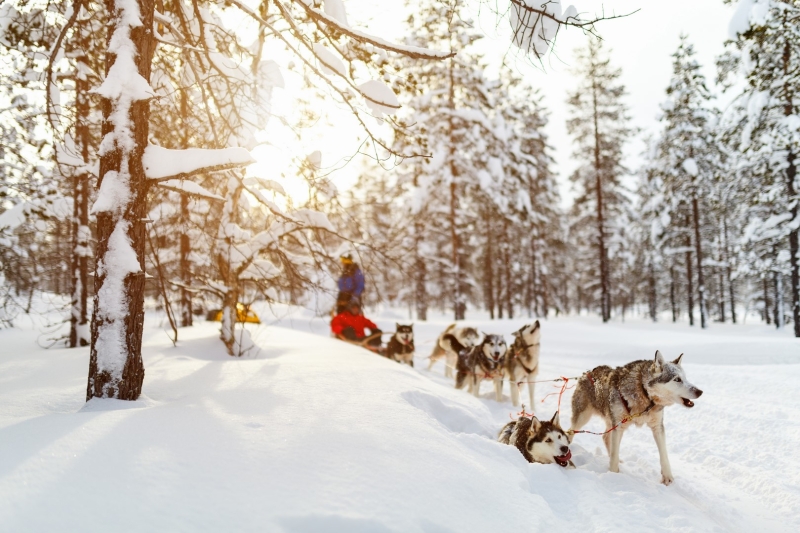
599 126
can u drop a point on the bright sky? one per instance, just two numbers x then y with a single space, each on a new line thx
641 45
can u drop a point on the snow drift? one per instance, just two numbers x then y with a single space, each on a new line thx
316 435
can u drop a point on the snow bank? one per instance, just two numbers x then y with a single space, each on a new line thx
312 434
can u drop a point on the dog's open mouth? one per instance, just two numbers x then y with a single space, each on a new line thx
563 460
687 402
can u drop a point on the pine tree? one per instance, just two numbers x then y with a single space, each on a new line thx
599 126
767 43
687 160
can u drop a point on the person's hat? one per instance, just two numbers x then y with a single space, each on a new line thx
346 258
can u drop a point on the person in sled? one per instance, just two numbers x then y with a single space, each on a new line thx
350 325
351 283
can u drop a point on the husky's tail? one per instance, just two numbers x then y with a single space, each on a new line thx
451 340
505 433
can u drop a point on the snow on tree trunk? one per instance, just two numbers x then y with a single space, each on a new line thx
115 367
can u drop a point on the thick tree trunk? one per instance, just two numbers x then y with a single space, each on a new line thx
115 366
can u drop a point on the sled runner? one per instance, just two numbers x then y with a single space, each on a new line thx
364 343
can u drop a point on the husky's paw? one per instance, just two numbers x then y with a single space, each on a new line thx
667 479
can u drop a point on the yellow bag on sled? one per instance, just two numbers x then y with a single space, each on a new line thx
242 315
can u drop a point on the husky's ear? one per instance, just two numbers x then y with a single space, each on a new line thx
535 425
396 326
678 360
659 360
536 325
554 420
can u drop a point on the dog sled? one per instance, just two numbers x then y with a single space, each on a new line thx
365 342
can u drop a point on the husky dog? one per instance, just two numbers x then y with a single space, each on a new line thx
482 361
467 337
641 389
522 362
401 345
539 442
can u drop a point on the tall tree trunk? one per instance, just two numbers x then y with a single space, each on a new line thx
689 287
458 303
672 302
728 270
698 246
652 294
778 312
767 318
794 243
791 190
721 296
79 334
230 278
115 367
605 296
185 247
184 265
488 270
420 271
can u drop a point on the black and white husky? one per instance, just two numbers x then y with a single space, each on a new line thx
522 361
467 337
482 361
401 345
637 392
539 442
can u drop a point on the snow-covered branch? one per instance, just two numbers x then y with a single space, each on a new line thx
161 164
413 52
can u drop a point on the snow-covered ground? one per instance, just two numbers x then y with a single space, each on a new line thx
313 435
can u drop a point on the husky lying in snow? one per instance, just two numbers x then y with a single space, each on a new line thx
539 442
641 389
522 362
482 361
401 345
467 337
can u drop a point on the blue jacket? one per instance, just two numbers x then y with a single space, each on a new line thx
354 283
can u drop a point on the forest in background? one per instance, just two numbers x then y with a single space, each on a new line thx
123 153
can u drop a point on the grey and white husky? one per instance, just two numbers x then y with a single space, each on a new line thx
482 361
539 442
638 392
467 337
522 362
